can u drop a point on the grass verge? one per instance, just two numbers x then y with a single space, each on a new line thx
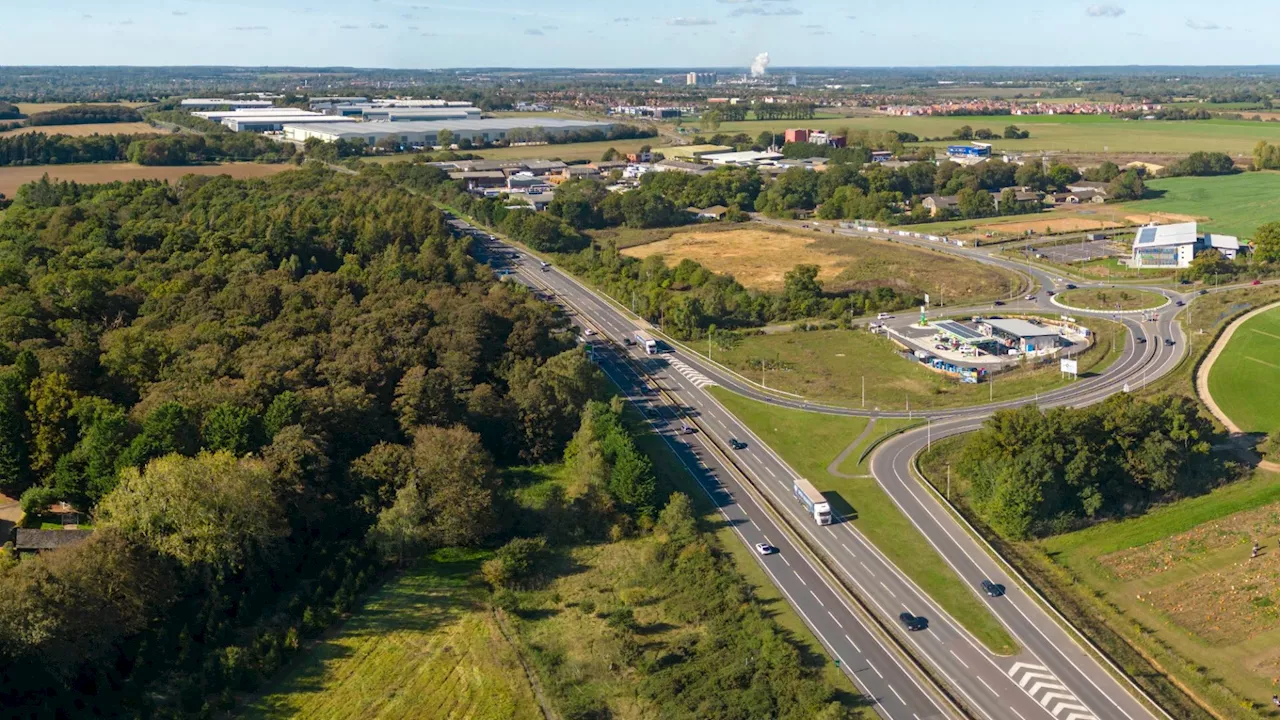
809 442
1117 299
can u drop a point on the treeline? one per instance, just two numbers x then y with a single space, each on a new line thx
187 120
191 149
617 132
85 115
1011 132
185 149
1201 164
9 111
686 299
1172 113
1034 472
1266 156
266 390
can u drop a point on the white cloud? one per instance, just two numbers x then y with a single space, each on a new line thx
533 31
1108 10
757 10
377 26
179 13
1201 25
250 28
690 21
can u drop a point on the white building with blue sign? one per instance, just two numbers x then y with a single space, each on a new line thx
1175 246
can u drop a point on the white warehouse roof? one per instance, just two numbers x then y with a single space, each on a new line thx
1222 242
491 125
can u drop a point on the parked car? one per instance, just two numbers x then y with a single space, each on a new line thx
912 622
737 444
992 589
765 549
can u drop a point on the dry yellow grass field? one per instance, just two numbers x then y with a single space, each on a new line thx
29 108
759 258
12 177
124 128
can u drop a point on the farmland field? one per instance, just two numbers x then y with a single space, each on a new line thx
12 177
830 365
32 108
1066 133
759 257
1112 299
121 128
1234 204
424 645
1245 379
1058 220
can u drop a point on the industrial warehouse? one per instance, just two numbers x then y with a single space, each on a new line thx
414 133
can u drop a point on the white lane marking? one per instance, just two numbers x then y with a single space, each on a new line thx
785 560
846 547
886 589
895 694
864 567
770 471
993 690
815 597
962 662
854 644
802 582
873 667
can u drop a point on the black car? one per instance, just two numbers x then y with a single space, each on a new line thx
1168 341
1204 292
1140 339
1180 303
998 303
912 622
1070 286
737 444
628 342
992 589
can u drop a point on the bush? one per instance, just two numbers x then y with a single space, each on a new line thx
36 499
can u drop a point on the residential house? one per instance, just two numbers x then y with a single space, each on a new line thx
31 540
715 212
939 203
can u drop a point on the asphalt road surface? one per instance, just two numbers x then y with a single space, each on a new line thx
1051 676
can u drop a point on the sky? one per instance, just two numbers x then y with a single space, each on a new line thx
631 33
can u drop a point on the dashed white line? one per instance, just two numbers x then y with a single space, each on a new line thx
770 471
854 644
785 560
815 597
846 547
864 567
962 662
802 582
895 694
873 668
833 617
993 690
886 589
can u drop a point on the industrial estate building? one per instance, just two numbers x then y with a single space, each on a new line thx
426 133
1176 245
214 103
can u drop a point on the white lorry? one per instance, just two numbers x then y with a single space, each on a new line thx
812 500
649 344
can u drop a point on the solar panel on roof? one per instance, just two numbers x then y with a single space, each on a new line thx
959 330
1146 235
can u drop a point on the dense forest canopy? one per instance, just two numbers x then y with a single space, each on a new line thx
261 390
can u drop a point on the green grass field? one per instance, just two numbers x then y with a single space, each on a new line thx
809 442
423 645
1234 204
1121 299
830 365
1075 133
1245 379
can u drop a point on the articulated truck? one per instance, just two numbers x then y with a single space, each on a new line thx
812 500
649 344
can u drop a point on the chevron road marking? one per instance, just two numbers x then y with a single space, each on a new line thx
1045 688
695 377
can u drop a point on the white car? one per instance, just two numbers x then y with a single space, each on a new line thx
589 331
765 549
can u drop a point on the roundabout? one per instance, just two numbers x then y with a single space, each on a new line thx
1110 300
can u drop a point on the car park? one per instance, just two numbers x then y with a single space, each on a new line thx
912 622
992 589
737 444
765 549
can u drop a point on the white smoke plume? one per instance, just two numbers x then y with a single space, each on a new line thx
760 65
